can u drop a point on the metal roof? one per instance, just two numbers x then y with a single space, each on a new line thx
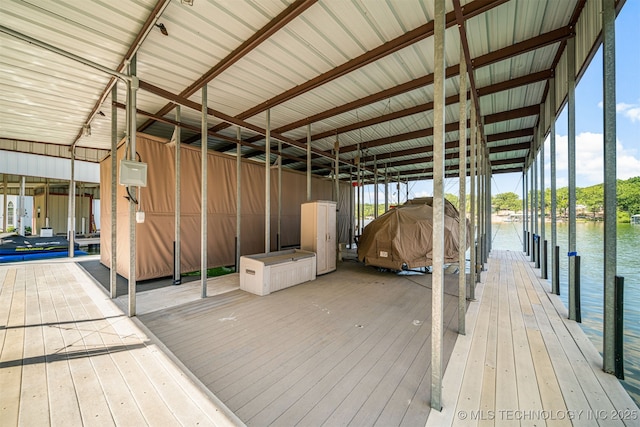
359 72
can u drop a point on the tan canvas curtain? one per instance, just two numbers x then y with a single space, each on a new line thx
154 249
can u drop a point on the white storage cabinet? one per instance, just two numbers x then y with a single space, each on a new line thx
318 233
262 274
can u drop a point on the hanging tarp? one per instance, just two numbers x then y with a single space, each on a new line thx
403 236
155 236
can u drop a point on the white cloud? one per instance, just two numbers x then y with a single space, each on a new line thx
589 160
630 111
621 106
633 114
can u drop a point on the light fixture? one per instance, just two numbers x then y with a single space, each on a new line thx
163 29
100 113
187 2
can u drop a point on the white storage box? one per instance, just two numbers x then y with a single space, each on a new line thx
262 274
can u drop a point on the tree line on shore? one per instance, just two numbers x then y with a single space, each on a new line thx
592 198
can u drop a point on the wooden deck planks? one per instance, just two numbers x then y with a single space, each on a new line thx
330 350
556 370
34 378
13 294
67 360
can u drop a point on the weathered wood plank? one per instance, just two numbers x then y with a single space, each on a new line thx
528 391
12 348
550 393
34 403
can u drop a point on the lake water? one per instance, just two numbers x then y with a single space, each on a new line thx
590 247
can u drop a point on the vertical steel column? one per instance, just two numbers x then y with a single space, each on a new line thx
375 185
279 242
489 212
113 264
204 142
4 202
131 113
472 201
309 162
267 184
487 246
531 205
72 207
46 202
357 159
386 190
462 189
177 273
481 211
571 113
555 280
534 170
437 295
525 200
541 242
238 198
336 171
610 201
351 210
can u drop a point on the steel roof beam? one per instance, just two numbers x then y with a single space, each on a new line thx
487 59
405 40
289 14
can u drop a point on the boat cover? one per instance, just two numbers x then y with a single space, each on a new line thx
403 236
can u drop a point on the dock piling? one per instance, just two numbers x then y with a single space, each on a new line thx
619 328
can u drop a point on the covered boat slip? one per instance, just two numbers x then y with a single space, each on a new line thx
350 347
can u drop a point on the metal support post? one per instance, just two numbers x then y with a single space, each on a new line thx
267 185
375 186
525 216
279 234
309 162
531 206
203 193
555 259
571 114
336 172
481 202
462 188
437 298
177 279
472 201
351 219
113 267
543 241
131 131
238 198
610 199
536 206
72 206
357 159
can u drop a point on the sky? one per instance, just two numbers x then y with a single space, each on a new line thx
589 123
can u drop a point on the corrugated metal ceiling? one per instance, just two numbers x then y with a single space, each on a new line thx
360 71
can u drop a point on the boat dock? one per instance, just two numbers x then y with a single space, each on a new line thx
352 347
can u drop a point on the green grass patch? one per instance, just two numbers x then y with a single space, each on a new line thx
213 272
